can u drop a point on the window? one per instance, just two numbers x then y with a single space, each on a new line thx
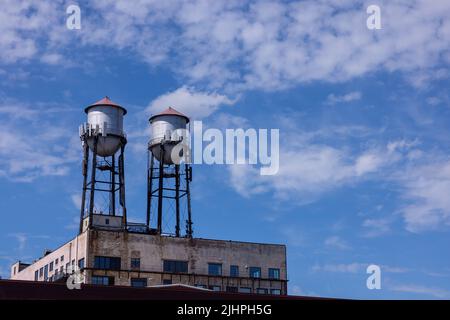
41 272
274 273
67 267
61 269
73 263
51 266
232 289
111 263
175 266
139 282
81 263
234 271
245 290
46 272
56 262
62 259
200 286
275 291
56 272
103 280
36 275
261 291
167 281
215 288
255 272
14 270
106 221
215 269
135 263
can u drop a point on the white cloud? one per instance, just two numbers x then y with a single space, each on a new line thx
307 170
76 200
30 146
425 189
348 97
422 290
52 58
355 267
242 44
21 238
376 227
336 242
340 268
194 104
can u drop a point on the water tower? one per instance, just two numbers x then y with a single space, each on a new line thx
103 137
168 177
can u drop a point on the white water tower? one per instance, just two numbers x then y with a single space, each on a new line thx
168 180
105 120
167 130
103 141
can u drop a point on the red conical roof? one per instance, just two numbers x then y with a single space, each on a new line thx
106 101
170 112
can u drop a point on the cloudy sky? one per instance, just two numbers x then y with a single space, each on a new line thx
364 120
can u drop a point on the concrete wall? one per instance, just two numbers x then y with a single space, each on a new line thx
73 250
153 249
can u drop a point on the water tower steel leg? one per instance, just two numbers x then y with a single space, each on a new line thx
122 185
92 186
188 174
84 171
149 186
113 185
160 189
177 199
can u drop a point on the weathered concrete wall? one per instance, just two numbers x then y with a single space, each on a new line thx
72 250
153 249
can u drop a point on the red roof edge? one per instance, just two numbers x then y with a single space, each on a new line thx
106 101
169 112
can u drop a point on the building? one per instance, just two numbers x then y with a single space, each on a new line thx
109 250
107 254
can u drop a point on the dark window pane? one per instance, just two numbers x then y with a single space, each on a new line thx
232 289
275 291
215 269
167 281
81 263
107 263
135 263
174 266
234 271
46 273
245 290
274 273
102 280
215 288
255 272
139 282
36 275
262 291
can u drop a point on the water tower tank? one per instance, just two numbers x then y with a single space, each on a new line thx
164 128
106 118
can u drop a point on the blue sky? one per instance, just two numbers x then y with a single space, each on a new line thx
364 119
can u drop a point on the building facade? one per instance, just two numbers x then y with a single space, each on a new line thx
109 254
